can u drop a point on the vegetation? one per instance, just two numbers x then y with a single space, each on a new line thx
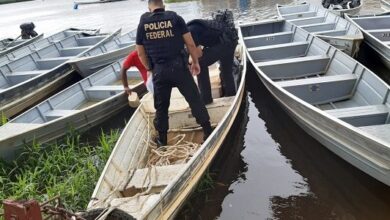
70 169
3 119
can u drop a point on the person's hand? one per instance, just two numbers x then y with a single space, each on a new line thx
195 69
127 90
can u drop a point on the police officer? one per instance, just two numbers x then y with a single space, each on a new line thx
160 40
218 37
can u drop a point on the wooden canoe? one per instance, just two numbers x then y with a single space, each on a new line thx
170 185
376 30
34 46
80 106
105 54
8 45
330 95
31 78
328 26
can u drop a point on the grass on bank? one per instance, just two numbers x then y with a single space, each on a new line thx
70 169
3 119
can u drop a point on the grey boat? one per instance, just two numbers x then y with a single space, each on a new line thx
8 45
376 30
105 54
385 4
25 81
34 46
330 95
328 26
81 106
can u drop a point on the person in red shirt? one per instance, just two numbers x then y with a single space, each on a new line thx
132 60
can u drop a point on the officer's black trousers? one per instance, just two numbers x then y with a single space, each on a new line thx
225 54
175 74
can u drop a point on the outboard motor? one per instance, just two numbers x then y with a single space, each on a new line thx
28 30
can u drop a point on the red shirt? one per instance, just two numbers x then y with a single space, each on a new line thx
133 60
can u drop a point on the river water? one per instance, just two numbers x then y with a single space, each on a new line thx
268 167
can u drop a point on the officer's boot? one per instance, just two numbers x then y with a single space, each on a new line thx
206 130
161 140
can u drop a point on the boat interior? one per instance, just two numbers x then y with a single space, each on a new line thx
377 26
94 89
45 59
115 44
318 21
37 45
132 155
320 75
9 42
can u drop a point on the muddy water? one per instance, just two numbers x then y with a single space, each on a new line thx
268 167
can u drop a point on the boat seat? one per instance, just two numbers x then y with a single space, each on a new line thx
379 30
362 115
380 131
306 21
48 63
103 92
73 51
89 40
267 39
319 27
320 90
331 32
279 51
17 77
295 67
160 176
386 42
306 14
58 113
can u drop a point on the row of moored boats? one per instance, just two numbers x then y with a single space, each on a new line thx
304 58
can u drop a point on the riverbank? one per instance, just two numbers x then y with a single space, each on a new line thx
12 1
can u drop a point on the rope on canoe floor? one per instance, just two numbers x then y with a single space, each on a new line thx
178 153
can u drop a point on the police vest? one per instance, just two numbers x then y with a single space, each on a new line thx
227 32
162 40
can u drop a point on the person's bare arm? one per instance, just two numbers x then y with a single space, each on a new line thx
194 53
123 73
142 56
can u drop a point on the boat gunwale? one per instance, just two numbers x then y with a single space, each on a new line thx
357 131
350 19
22 44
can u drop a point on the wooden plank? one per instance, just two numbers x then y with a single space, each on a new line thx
157 178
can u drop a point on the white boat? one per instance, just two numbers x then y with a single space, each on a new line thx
335 99
8 45
385 4
105 54
328 26
25 81
34 46
350 7
80 106
166 187
376 30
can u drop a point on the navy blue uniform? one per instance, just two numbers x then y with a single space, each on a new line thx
161 34
217 45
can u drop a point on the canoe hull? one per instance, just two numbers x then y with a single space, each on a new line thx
85 66
27 42
80 121
349 46
346 141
